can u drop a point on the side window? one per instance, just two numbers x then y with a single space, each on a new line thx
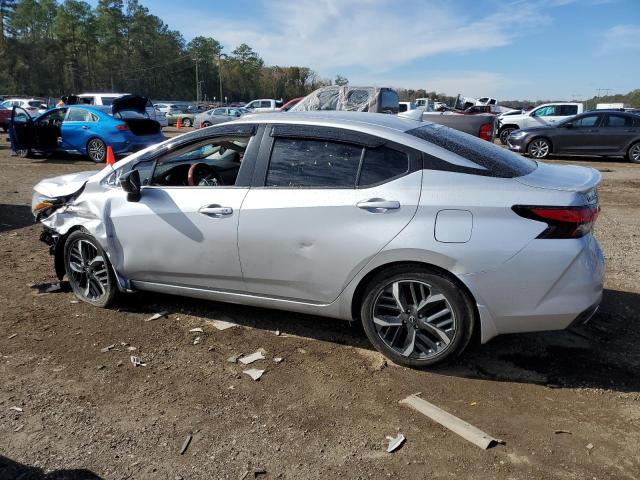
388 101
218 111
588 121
381 164
80 115
547 111
265 104
145 169
313 163
54 118
566 110
618 121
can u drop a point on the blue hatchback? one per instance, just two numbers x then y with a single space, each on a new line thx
86 130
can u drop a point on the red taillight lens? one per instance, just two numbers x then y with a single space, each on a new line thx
123 127
486 131
563 222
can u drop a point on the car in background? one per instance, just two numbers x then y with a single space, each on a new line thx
264 105
5 117
287 106
187 117
449 237
219 115
86 130
546 114
406 106
34 106
598 132
107 99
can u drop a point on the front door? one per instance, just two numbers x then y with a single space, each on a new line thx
583 137
21 130
183 229
325 208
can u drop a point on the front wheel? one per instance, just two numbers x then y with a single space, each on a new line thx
96 150
206 124
88 270
186 122
634 153
539 148
416 318
504 134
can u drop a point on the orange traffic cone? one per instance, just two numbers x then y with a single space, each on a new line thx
179 123
111 158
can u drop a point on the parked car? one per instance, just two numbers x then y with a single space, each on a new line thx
218 115
425 235
33 106
287 106
599 132
546 114
86 130
187 118
107 99
264 105
406 106
5 117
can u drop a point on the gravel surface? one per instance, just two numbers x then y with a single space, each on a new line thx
85 411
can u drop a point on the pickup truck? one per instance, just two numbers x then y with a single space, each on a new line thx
541 116
483 125
264 105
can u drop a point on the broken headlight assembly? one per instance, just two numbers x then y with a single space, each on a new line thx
43 206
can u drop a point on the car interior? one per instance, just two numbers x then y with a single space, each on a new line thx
205 164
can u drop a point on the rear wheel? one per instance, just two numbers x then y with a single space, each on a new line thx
416 318
539 148
96 150
634 153
206 124
186 122
88 270
504 134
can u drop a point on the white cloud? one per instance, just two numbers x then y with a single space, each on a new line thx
620 38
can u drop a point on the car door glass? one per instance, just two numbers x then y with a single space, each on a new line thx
265 104
618 121
566 110
382 164
547 111
588 121
54 118
79 115
313 163
218 111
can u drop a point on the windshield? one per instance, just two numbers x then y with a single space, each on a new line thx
499 161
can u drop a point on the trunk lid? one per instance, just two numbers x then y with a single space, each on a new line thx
569 178
134 103
64 185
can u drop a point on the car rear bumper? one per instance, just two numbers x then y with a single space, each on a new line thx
549 285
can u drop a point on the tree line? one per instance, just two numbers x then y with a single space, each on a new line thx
52 49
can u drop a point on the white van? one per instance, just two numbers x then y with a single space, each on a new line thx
106 99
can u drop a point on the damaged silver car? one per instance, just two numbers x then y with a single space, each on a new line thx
424 234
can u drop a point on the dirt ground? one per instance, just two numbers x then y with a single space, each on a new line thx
324 411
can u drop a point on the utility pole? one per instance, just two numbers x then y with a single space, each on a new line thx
197 85
220 73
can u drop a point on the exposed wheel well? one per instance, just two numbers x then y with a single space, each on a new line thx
358 295
509 125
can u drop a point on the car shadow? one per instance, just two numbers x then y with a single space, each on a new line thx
604 353
10 469
14 216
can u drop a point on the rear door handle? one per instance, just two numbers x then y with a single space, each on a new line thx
215 210
378 205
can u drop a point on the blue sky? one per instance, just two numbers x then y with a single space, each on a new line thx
509 49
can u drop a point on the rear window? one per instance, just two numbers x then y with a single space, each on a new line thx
564 110
34 103
108 100
499 161
382 164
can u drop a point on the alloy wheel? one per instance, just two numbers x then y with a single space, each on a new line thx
634 153
414 319
88 270
96 150
539 148
505 134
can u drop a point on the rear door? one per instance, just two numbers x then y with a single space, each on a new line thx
77 128
324 201
619 131
21 130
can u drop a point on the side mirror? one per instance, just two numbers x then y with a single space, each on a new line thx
130 183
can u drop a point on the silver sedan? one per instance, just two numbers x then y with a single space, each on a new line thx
428 236
219 115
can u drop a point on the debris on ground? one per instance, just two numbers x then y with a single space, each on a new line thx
156 316
108 348
196 340
137 361
259 355
234 358
277 332
185 444
196 330
132 349
254 373
302 350
13 335
589 446
562 431
18 428
277 359
453 423
395 442
47 287
221 324
16 409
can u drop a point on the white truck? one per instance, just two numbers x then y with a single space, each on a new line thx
609 106
264 105
547 114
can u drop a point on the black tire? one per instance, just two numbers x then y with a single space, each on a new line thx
539 148
391 340
505 132
186 122
206 124
88 270
96 150
633 154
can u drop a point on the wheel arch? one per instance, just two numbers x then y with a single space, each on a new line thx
509 125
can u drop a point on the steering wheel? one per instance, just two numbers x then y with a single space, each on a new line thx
201 174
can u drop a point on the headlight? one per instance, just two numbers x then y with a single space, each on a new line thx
517 135
43 205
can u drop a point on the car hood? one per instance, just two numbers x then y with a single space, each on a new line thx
129 102
570 178
64 185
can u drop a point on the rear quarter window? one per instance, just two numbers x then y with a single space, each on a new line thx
500 162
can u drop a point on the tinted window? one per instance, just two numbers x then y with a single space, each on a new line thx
265 104
108 100
618 121
313 163
588 121
389 101
547 111
380 164
499 161
565 110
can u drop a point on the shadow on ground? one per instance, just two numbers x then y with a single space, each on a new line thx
14 216
12 470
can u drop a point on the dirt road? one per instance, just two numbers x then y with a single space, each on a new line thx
324 411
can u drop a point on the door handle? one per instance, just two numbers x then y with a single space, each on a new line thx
215 210
378 205
85 127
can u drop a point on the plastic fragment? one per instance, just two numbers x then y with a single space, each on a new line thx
254 373
16 409
259 355
277 359
221 324
137 361
13 335
185 444
395 442
196 330
108 348
156 316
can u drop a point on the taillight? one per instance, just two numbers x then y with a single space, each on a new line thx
563 222
486 131
122 127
